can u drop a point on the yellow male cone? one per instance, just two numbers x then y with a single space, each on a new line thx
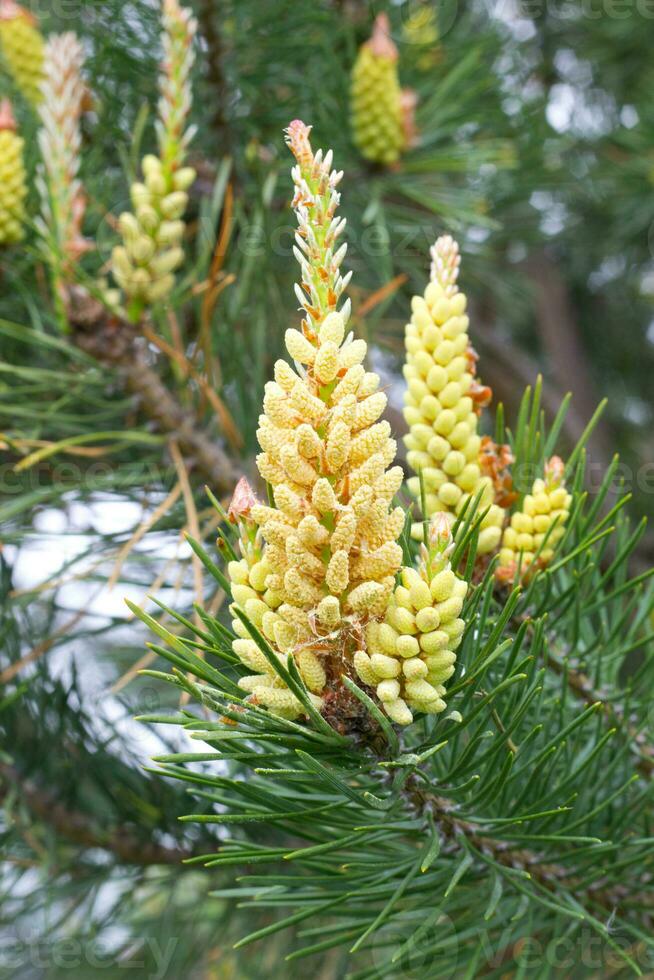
317 576
442 402
410 654
536 529
322 564
144 265
377 114
13 187
21 47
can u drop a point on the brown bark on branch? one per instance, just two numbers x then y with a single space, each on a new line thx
158 404
116 343
77 827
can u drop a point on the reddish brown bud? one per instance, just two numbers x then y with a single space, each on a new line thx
297 137
10 10
495 461
481 395
408 103
554 471
381 44
7 120
242 502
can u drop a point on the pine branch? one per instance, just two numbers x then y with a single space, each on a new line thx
583 688
545 873
581 685
207 18
159 404
77 828
115 342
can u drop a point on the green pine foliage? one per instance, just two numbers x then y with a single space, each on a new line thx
522 814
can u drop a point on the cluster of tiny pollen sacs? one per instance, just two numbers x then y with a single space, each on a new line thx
144 265
13 186
318 572
443 402
321 572
21 48
537 527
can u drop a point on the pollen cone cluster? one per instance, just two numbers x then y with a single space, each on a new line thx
331 551
13 187
409 655
443 401
249 577
21 47
536 529
152 233
377 118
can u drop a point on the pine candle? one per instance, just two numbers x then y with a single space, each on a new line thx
318 569
536 529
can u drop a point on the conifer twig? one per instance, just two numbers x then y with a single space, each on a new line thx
582 687
77 828
160 405
546 874
114 342
215 72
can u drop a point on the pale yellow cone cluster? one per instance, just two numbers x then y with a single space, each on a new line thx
60 139
536 529
13 187
440 402
331 551
409 655
21 48
377 98
250 592
152 233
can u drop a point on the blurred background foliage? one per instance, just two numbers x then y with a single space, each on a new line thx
536 150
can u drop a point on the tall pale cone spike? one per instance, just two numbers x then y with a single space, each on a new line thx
443 401
145 264
64 92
